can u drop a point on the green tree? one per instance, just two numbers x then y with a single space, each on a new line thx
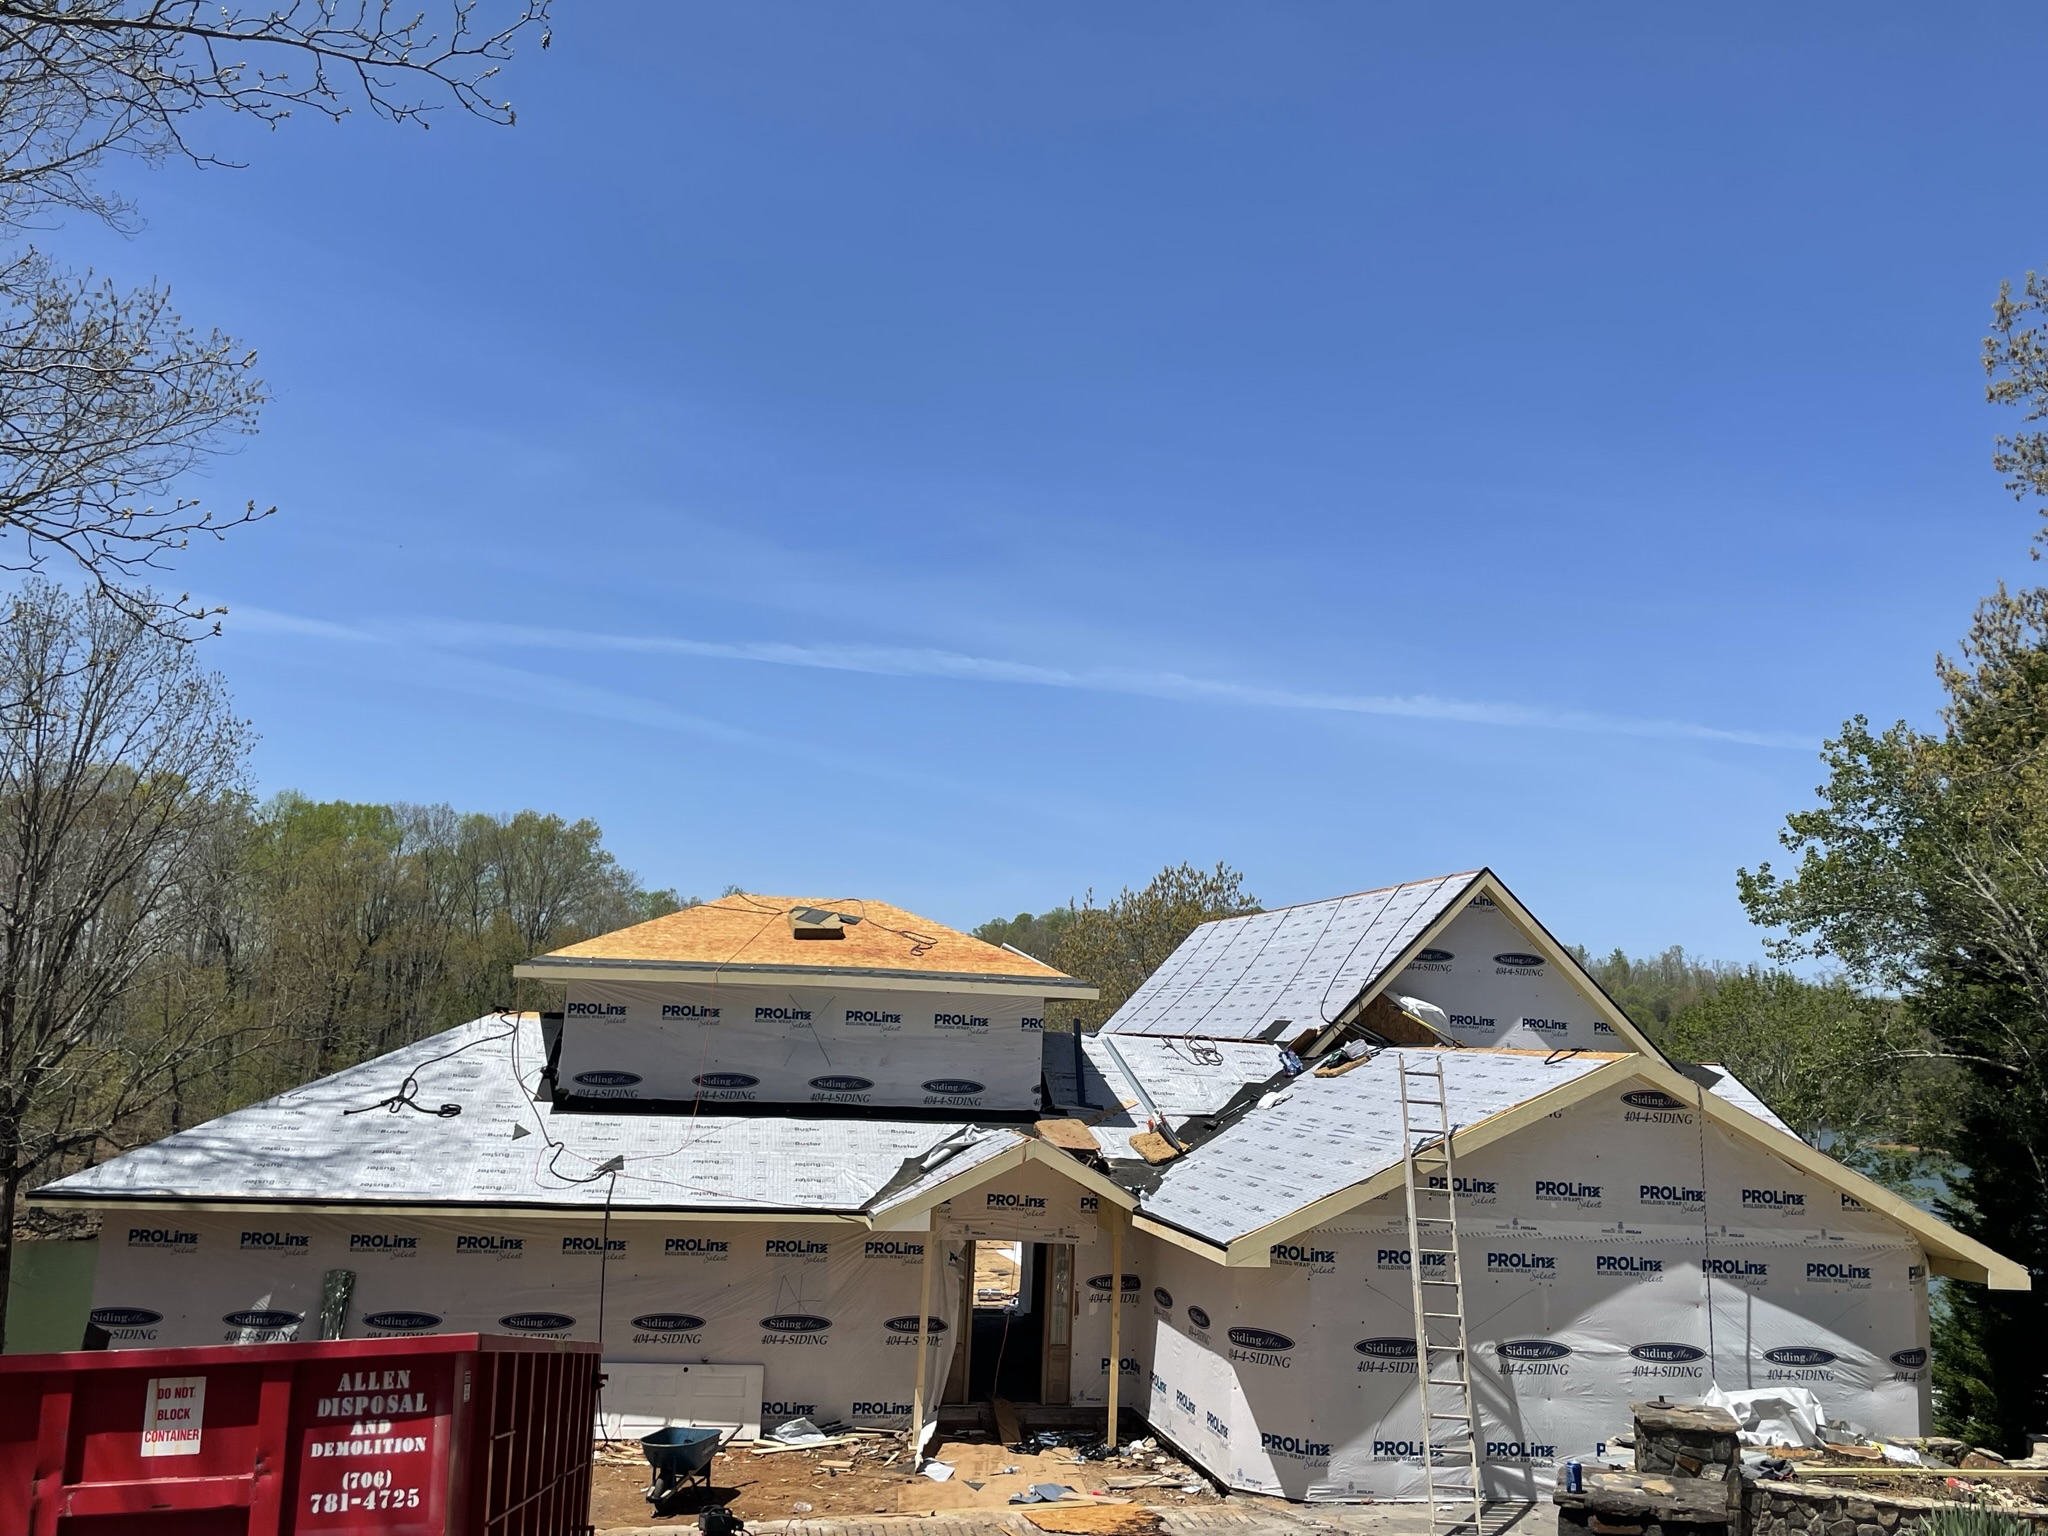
1115 947
1037 934
1654 990
120 761
1847 1070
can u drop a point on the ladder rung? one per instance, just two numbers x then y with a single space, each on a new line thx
1443 1315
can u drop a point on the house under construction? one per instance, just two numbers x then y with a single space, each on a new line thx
1372 1196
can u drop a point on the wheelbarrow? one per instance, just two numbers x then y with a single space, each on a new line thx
678 1456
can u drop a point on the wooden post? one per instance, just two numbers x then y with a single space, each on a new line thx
1116 1318
924 1339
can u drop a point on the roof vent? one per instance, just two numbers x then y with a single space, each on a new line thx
817 923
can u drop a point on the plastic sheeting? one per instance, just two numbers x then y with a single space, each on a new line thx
801 1045
829 1311
1590 1247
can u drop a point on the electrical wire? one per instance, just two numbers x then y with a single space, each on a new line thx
1706 1236
407 1090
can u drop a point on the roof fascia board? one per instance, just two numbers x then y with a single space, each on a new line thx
1253 1249
1153 1227
545 968
1961 1257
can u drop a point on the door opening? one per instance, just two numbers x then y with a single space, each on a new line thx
1009 1322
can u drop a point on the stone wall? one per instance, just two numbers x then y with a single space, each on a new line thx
1801 1509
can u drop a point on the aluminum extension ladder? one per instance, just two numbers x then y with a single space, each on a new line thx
1443 1363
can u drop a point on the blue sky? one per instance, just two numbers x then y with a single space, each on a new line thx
970 453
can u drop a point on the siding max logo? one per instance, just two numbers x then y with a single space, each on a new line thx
262 1317
1386 1349
842 1084
1667 1354
1261 1339
954 1087
124 1317
1651 1098
1531 1349
1197 1317
1101 1283
1163 1297
536 1322
607 1079
1517 960
1434 957
908 1324
796 1322
402 1322
669 1322
726 1080
1908 1359
1801 1354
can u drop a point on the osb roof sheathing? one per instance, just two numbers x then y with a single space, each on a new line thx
749 933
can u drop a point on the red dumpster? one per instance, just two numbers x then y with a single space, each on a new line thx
453 1435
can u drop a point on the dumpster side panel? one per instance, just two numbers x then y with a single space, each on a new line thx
371 1444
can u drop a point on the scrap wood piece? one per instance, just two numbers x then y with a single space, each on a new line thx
1071 1135
1006 1422
815 1445
1072 1517
1153 1147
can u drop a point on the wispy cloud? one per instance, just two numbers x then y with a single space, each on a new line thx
901 661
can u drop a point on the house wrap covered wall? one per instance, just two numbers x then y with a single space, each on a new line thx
1595 1273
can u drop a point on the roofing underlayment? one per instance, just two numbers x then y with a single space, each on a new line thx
1270 975
1179 1079
749 937
1320 1135
303 1147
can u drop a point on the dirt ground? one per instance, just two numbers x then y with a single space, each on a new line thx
778 1486
995 1273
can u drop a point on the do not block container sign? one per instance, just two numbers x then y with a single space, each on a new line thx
454 1435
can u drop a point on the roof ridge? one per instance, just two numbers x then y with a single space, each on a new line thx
1324 901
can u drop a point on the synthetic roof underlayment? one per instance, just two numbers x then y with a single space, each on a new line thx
1321 1135
1272 975
301 1147
743 939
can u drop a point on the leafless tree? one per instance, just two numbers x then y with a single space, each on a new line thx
81 80
107 398
115 779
